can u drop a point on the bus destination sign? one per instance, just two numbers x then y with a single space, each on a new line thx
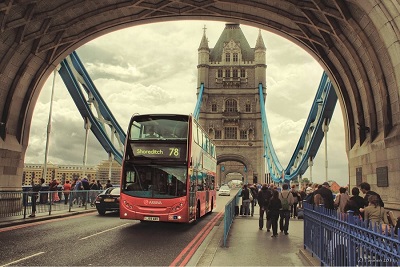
172 151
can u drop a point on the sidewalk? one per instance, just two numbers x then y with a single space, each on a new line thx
249 246
42 216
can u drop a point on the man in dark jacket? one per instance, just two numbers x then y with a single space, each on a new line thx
263 198
366 189
327 195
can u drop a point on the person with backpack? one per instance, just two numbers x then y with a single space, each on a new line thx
263 198
287 201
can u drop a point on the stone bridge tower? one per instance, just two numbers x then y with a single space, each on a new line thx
230 111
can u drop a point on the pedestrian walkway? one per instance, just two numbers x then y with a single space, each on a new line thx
247 245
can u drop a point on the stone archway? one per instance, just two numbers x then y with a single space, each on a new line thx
356 42
245 167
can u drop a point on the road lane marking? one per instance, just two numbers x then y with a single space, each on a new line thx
10 263
89 236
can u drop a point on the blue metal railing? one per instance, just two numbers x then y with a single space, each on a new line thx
345 240
229 215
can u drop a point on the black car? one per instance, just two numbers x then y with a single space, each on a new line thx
108 200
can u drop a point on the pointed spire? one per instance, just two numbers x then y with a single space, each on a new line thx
204 40
260 42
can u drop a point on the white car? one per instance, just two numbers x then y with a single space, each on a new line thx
224 191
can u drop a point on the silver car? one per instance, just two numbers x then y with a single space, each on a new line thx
224 191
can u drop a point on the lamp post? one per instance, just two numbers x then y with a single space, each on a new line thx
49 124
325 128
310 164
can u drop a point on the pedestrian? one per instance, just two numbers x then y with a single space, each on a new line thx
326 195
263 198
99 185
93 192
66 190
286 201
108 184
355 202
341 200
77 192
374 213
253 192
296 197
366 190
275 205
85 192
53 189
245 200
34 195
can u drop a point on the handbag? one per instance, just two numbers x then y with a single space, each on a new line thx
251 197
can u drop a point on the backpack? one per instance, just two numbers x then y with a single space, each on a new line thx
285 202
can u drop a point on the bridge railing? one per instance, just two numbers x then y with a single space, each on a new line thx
345 240
229 215
18 204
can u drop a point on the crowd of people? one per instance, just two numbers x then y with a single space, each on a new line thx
279 204
75 192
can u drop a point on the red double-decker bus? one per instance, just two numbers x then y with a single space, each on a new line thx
168 170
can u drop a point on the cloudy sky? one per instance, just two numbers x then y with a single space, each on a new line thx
153 69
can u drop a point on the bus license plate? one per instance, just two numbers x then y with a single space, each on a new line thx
146 218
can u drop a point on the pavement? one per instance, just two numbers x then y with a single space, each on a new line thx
247 245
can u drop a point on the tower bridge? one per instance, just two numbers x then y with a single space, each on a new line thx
356 42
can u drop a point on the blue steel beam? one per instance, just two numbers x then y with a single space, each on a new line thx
310 140
196 112
274 166
78 84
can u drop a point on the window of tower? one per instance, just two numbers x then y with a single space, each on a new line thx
235 73
235 57
230 133
227 73
214 107
242 73
248 107
217 134
220 73
227 57
231 105
243 134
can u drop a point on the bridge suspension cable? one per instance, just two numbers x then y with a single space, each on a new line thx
310 140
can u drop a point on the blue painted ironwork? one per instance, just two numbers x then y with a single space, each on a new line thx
345 240
273 164
78 83
321 110
196 112
229 214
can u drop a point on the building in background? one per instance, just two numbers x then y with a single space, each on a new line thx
231 73
68 172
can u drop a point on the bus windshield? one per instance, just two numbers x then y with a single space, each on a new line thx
159 127
155 181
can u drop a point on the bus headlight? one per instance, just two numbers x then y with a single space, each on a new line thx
177 207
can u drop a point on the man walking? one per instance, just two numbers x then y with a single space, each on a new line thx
287 201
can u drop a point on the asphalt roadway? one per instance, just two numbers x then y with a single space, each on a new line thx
246 244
